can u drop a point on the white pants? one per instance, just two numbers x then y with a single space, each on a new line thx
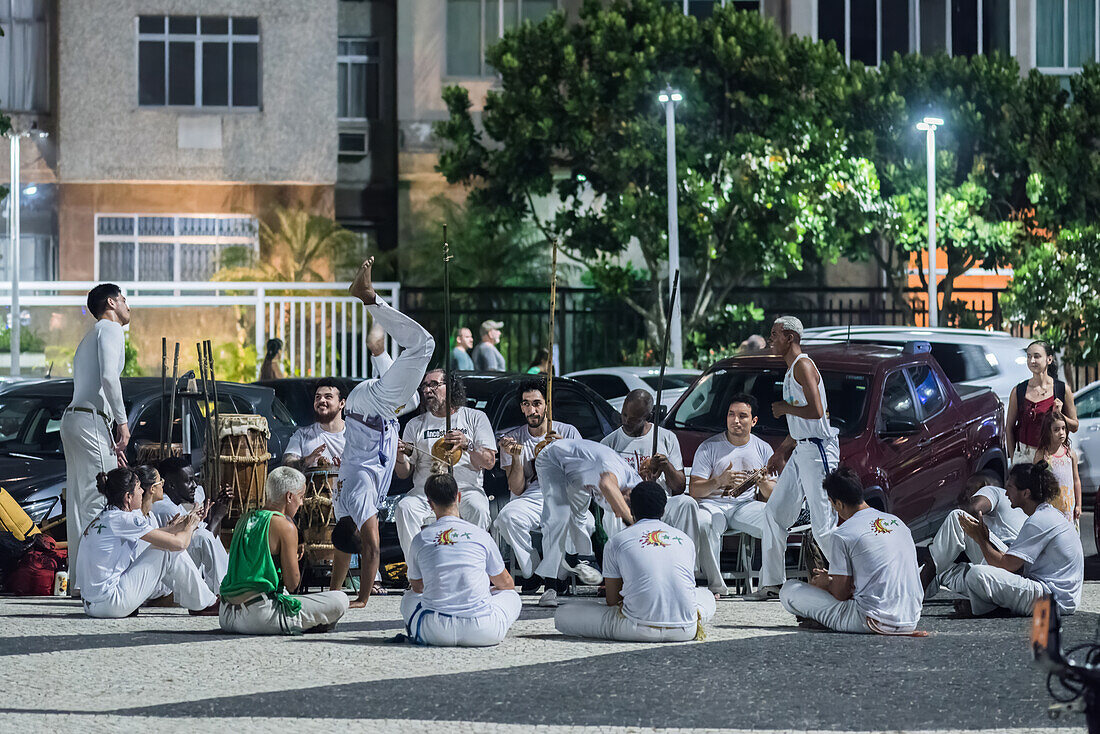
950 541
210 556
137 583
594 619
682 513
264 617
989 588
89 450
443 630
805 600
413 512
515 523
802 477
716 518
564 510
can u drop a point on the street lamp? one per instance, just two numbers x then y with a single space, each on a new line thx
670 97
929 125
14 196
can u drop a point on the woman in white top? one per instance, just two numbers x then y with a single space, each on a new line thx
120 572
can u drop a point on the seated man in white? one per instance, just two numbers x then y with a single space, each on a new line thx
263 567
1046 557
872 585
649 570
120 572
573 472
321 443
984 498
460 593
183 495
634 442
723 464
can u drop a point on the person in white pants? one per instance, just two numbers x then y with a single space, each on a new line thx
523 513
1046 557
263 565
573 472
807 455
722 465
470 432
872 585
634 442
120 573
461 595
649 570
986 500
371 432
91 448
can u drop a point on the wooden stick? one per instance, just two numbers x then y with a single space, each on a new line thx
217 422
664 358
208 434
553 308
447 377
163 391
172 402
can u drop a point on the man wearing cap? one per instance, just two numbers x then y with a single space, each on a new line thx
807 455
487 358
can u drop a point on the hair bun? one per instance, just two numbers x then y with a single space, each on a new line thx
101 483
1041 466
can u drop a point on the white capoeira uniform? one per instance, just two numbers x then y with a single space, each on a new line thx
661 603
523 513
86 433
876 550
413 512
306 439
742 514
206 549
681 510
569 471
455 559
816 454
119 575
370 421
1054 564
1003 520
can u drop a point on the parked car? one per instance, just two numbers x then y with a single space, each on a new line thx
1086 441
497 395
613 383
912 435
993 359
32 462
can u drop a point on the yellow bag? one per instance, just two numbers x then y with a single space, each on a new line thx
14 519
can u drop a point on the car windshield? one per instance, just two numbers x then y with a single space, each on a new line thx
31 425
672 382
704 407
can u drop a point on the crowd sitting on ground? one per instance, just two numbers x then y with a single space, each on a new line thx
158 534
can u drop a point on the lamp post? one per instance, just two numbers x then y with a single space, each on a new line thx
14 234
929 125
669 97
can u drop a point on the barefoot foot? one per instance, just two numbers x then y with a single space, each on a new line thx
362 287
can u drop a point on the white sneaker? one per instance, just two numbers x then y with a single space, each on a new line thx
764 593
549 598
587 573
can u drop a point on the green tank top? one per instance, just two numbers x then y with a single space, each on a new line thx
251 567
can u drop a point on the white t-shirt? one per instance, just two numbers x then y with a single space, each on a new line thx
425 429
657 565
717 454
637 449
165 509
876 549
306 439
1003 519
109 546
1050 547
583 462
522 436
455 560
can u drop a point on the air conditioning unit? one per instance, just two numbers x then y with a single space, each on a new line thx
354 141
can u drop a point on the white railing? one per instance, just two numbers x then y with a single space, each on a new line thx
316 328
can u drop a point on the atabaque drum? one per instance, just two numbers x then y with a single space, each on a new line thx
240 464
316 518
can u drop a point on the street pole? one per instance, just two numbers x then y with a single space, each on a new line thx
669 97
929 125
13 250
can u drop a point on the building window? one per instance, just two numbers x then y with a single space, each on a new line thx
357 64
870 31
1066 35
473 25
705 8
24 56
206 61
169 248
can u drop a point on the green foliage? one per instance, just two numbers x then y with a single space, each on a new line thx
130 367
235 362
29 341
726 327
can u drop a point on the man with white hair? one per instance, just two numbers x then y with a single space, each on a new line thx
807 454
263 566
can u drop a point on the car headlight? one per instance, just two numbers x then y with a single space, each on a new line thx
42 508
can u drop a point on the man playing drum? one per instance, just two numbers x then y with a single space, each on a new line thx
321 442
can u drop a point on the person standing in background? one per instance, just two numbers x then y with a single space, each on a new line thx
487 357
460 355
272 368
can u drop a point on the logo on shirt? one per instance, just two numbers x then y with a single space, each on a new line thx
658 538
882 526
449 536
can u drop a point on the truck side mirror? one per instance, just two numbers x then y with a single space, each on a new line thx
898 428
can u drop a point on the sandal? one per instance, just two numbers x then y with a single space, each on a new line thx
378 590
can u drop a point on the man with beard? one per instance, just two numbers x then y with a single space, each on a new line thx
324 438
471 433
523 513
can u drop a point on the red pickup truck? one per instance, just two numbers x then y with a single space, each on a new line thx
913 437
